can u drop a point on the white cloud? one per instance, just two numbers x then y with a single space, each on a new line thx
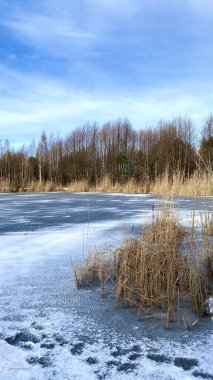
42 27
64 26
48 32
124 7
33 104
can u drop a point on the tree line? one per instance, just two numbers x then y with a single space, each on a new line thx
114 149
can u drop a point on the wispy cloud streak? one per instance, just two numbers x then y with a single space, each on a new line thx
40 103
65 62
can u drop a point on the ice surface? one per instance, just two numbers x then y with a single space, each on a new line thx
51 330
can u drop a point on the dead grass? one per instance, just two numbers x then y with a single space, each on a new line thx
97 266
150 273
5 186
36 186
106 185
77 186
200 183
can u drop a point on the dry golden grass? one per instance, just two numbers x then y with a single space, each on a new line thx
200 183
33 186
150 273
97 265
207 246
36 186
5 187
209 228
77 186
106 185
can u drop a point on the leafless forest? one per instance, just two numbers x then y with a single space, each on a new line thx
115 150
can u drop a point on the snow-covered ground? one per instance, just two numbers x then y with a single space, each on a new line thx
51 330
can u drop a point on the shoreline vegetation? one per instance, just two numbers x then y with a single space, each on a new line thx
198 184
166 273
168 158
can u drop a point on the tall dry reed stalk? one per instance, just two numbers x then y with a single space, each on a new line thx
5 186
36 186
97 266
77 186
200 183
152 273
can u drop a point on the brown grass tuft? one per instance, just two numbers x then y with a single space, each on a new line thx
200 183
152 273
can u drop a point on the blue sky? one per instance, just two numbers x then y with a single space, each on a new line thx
66 62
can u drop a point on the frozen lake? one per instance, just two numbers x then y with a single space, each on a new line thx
51 330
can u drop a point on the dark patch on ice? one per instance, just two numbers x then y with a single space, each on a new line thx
49 346
85 339
127 367
36 326
134 356
60 340
41 314
203 375
120 352
151 349
44 361
159 358
91 360
23 336
14 317
136 348
186 363
26 346
112 363
77 349
100 376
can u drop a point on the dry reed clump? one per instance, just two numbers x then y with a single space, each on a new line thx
107 185
77 186
37 186
98 266
5 186
209 228
151 274
207 234
148 268
199 183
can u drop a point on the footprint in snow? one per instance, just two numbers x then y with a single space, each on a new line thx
159 358
127 367
60 340
185 363
44 361
202 375
120 352
49 346
23 336
112 363
91 360
133 357
77 348
36 326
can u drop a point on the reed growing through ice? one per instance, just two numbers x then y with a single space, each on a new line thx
160 272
